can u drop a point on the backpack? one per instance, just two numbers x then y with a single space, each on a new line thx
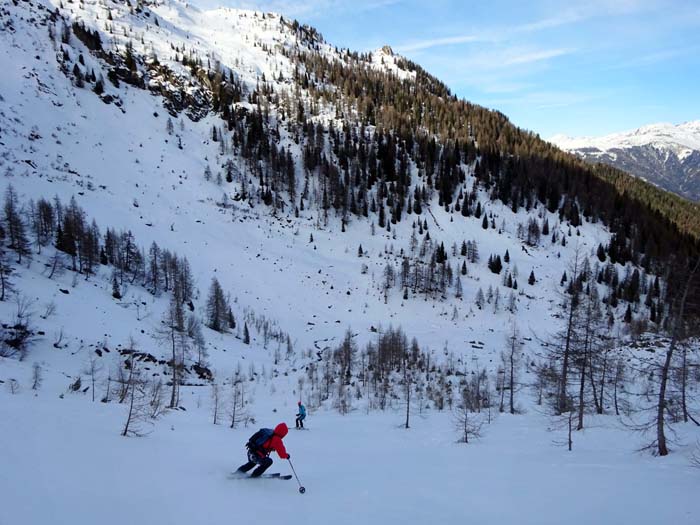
257 440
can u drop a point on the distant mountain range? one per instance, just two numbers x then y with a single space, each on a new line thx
663 154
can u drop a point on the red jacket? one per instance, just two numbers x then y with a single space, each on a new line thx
275 442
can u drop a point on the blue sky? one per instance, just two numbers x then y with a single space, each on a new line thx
590 67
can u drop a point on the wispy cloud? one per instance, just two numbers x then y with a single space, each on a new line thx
436 42
535 56
494 34
583 11
547 99
656 57
495 65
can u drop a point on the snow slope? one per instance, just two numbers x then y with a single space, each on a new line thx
131 175
68 460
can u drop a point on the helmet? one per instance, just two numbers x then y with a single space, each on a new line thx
299 403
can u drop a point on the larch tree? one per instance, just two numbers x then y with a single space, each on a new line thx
677 334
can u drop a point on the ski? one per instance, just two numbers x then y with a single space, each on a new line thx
276 475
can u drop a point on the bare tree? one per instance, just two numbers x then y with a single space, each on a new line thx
466 422
92 369
587 345
121 378
49 310
608 344
36 376
408 388
135 393
238 403
5 272
172 332
683 376
106 398
618 380
19 335
564 422
216 401
676 337
156 404
56 264
571 303
13 386
145 399
512 361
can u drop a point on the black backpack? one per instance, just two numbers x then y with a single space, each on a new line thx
257 440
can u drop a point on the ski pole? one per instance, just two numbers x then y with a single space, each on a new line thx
301 487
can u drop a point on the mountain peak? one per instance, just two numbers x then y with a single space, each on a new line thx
664 154
662 134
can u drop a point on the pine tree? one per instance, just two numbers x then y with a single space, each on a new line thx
246 334
601 253
14 225
628 314
531 280
480 300
116 292
217 308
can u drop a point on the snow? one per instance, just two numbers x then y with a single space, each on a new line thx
68 460
384 58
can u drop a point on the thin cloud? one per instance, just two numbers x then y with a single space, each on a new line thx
655 57
437 42
494 34
548 99
536 56
581 13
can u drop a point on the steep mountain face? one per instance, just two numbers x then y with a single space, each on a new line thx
663 154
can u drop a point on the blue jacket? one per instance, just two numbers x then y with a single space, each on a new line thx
302 411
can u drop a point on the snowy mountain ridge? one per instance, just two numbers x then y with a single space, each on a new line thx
664 154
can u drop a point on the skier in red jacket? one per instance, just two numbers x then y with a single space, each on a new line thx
260 445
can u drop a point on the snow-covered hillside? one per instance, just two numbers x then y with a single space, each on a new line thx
128 173
134 135
664 154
